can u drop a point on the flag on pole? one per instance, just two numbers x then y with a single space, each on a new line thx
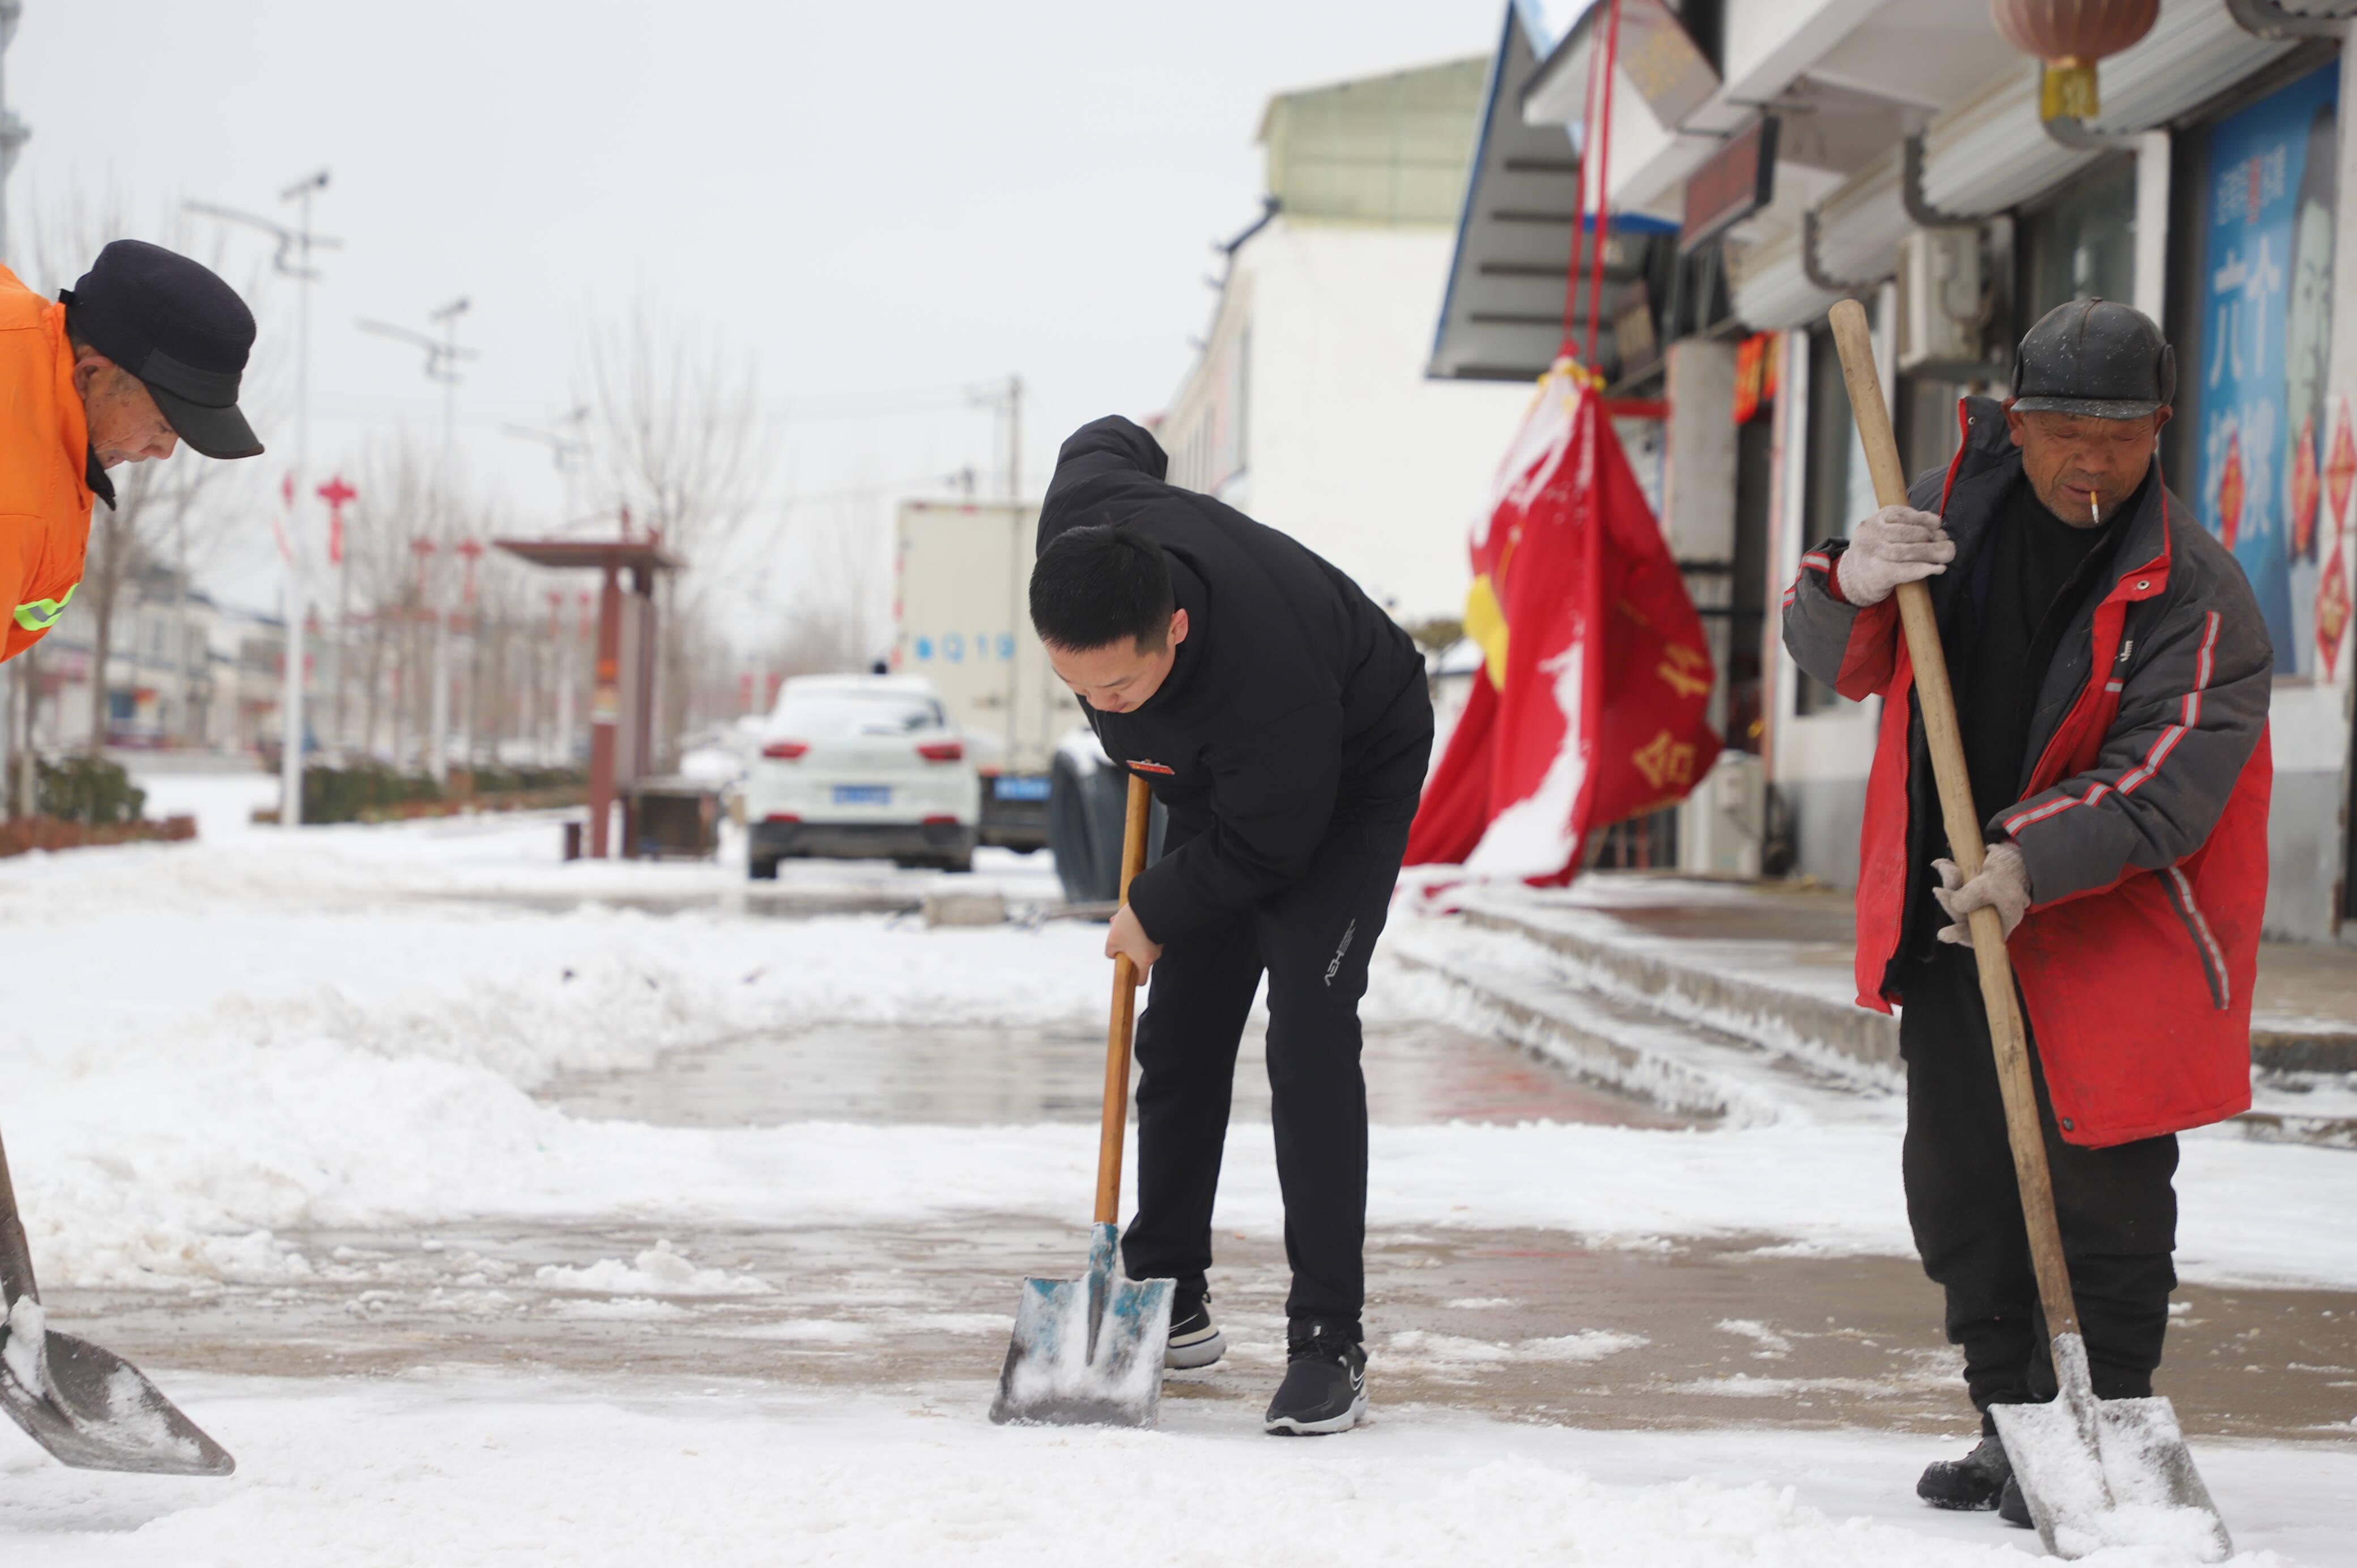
1589 707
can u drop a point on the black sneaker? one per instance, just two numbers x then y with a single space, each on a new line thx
1975 1481
2013 1508
1195 1340
1325 1387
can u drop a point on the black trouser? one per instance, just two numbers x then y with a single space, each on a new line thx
1314 941
2117 1210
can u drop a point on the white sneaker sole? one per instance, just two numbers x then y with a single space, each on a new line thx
1195 1352
1287 1426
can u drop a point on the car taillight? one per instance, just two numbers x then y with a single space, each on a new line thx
785 750
942 751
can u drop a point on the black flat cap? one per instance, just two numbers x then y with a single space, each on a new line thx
177 328
2097 358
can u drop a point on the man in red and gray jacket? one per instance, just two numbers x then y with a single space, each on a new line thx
2112 672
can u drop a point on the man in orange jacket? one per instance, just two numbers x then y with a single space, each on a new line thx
143 353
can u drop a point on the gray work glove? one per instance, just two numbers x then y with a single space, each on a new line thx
2003 886
1897 545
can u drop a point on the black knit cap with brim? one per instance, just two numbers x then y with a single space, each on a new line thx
2096 358
177 326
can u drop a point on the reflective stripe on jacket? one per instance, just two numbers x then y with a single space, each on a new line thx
2141 816
45 497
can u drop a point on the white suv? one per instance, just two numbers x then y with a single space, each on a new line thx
860 767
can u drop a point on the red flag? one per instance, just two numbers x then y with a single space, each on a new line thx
1589 709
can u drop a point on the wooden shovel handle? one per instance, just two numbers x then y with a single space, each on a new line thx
1938 704
1124 1016
16 1254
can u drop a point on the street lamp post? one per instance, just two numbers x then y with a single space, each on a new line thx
293 259
442 357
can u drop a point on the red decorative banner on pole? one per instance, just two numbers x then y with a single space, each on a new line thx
1590 707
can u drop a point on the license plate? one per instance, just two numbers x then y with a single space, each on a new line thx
863 794
1019 787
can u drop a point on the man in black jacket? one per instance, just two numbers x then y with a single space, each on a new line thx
1283 720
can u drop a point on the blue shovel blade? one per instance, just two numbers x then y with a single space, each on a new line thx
1087 1352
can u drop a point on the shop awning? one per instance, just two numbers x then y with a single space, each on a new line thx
1501 317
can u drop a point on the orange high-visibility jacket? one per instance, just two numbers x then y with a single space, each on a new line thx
45 495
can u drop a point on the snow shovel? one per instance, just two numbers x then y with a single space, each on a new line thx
1088 1352
89 1408
2096 1473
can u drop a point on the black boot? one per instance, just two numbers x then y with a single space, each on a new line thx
2012 1507
1975 1481
1195 1340
1325 1387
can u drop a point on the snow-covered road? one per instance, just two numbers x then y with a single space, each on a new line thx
240 1060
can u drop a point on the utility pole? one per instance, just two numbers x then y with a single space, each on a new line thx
1015 438
442 357
293 259
567 442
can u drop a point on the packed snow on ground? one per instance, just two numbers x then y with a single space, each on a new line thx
456 1470
222 1046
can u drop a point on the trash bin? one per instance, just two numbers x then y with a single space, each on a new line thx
671 819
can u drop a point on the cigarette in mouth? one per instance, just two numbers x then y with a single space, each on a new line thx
2093 511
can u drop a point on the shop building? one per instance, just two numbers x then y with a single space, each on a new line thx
1769 158
1307 406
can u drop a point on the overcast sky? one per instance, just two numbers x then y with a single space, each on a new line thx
879 200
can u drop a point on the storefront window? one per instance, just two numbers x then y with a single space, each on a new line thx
2081 244
2255 356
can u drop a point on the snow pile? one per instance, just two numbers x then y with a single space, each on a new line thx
661 1270
1423 1351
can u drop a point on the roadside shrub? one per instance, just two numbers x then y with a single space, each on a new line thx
373 793
87 789
346 794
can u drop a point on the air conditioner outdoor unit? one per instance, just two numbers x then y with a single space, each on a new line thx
1940 312
1720 825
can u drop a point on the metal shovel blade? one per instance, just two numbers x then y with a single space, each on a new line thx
1087 1352
2099 1472
93 1410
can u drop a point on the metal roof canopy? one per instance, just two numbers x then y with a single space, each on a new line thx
634 554
1501 317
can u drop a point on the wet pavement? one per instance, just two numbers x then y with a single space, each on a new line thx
1416 1073
1520 1323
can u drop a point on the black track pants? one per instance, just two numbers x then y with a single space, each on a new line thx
1313 939
2118 1208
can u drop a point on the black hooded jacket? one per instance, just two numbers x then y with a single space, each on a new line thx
1294 702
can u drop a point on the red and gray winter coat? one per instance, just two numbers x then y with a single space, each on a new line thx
2142 812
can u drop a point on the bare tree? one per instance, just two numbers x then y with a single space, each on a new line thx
672 437
153 505
396 508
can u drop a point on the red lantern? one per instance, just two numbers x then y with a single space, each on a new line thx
2070 35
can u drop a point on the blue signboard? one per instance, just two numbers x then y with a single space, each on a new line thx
956 648
2267 328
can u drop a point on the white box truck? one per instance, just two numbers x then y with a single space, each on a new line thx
962 604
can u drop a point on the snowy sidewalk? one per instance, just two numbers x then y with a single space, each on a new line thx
1772 965
492 1209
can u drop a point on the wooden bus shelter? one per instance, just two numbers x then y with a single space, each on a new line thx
622 684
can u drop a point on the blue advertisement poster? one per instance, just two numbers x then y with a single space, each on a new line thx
2267 318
